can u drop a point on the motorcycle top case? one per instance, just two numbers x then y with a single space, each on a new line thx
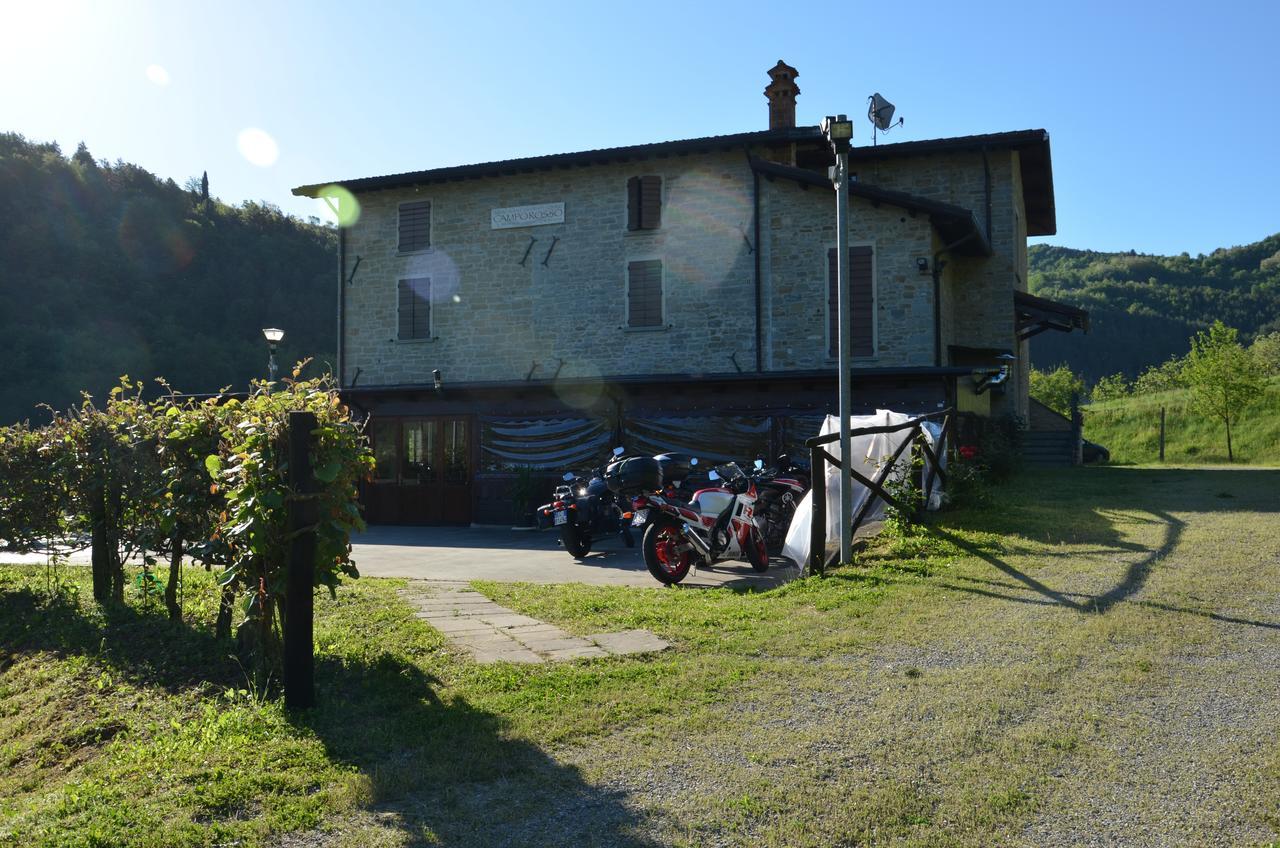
675 466
636 474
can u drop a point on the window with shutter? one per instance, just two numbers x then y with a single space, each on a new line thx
415 226
644 293
862 293
644 203
414 308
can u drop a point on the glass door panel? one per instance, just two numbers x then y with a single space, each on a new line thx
418 459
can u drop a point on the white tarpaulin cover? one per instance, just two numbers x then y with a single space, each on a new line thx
870 452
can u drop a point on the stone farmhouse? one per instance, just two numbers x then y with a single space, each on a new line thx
521 317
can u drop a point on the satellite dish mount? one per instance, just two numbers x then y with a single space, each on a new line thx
880 114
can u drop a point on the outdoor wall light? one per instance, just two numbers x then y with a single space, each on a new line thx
436 379
922 264
986 378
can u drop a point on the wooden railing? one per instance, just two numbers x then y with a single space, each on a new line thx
819 457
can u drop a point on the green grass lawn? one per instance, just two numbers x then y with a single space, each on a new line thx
959 687
1130 429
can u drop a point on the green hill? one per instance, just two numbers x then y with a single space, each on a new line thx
105 269
1130 429
1145 308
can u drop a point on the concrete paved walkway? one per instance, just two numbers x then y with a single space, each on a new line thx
512 556
493 633
529 556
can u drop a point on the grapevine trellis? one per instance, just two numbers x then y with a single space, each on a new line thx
217 481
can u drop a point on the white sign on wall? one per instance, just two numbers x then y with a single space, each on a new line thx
526 216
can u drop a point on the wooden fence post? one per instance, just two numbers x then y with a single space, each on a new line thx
1162 434
299 610
818 512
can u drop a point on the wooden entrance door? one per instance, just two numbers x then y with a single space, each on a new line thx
422 471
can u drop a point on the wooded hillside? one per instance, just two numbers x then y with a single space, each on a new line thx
1144 308
105 270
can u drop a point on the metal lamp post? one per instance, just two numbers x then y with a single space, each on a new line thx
839 133
273 337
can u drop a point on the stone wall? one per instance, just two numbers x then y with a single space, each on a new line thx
800 230
494 317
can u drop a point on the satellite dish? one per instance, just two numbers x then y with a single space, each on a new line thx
880 114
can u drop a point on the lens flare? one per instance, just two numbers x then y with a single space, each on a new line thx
158 75
341 204
582 388
258 147
439 268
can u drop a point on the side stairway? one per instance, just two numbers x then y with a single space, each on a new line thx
1047 448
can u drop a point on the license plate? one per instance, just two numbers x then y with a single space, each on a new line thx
641 516
562 517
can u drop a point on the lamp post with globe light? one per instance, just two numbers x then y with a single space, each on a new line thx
273 337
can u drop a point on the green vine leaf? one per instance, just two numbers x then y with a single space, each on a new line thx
213 464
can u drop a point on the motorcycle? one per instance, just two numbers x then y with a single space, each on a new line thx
718 523
583 509
781 487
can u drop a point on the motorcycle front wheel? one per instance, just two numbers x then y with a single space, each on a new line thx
757 554
666 553
576 542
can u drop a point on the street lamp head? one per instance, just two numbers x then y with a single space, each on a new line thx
838 130
273 335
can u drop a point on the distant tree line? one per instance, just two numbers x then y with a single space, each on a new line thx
106 269
1144 308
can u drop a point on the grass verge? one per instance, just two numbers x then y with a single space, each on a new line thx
986 682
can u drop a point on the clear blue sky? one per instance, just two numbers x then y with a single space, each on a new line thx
1163 116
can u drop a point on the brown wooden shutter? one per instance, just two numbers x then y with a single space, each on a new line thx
650 203
861 308
644 203
415 226
633 203
413 302
644 293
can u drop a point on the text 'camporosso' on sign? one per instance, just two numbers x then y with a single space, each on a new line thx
526 216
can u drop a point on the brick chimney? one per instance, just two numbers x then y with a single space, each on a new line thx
782 91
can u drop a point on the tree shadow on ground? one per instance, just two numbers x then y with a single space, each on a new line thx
141 646
440 771
1092 506
443 772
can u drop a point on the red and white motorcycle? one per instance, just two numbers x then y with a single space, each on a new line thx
718 523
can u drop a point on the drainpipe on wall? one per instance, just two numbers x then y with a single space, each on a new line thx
342 299
986 169
759 331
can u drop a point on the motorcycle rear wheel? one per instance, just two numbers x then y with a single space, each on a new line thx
576 542
663 555
757 554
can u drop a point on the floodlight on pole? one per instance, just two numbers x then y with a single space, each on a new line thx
839 133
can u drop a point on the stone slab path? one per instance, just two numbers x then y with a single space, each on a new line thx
493 633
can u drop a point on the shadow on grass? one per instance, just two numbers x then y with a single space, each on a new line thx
443 772
440 771
143 647
1092 506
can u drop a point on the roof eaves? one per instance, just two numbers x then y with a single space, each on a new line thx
565 160
958 225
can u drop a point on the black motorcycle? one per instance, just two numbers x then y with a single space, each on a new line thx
781 487
583 510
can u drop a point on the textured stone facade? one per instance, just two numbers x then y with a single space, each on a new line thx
494 317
